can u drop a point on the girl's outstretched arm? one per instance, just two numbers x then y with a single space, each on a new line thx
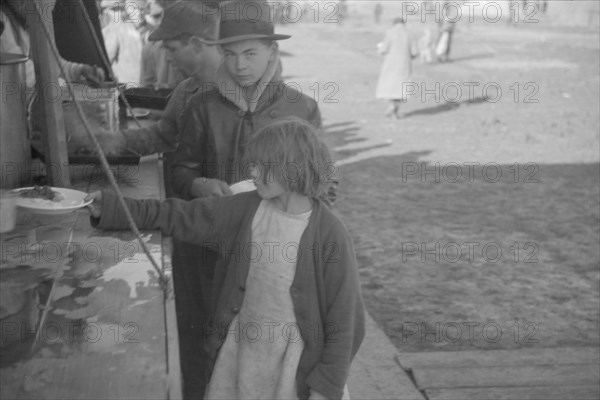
187 221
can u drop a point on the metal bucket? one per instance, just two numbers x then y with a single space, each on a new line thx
14 140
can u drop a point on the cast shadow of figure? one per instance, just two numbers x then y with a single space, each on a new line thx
446 106
339 134
466 57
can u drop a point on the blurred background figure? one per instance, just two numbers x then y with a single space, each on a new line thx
342 12
444 42
123 40
377 11
396 71
425 46
156 70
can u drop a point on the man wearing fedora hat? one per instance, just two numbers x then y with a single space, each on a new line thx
248 94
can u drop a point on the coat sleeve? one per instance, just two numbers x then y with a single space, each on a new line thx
187 163
187 221
161 136
344 320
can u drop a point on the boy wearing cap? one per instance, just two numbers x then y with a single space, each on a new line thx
248 94
184 32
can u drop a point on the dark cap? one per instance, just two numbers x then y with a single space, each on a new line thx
243 20
187 17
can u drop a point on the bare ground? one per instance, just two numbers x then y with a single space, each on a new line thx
506 255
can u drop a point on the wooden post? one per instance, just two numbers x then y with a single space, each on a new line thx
48 92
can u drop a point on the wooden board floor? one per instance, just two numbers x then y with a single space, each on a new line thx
523 374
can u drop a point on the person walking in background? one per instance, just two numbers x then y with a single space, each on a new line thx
123 40
312 290
398 52
377 11
156 70
426 47
446 26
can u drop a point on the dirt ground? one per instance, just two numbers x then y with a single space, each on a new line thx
476 218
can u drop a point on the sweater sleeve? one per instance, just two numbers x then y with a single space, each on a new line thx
191 222
344 324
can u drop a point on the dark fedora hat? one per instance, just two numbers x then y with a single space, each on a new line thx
244 20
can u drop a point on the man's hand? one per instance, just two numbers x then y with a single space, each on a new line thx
93 75
96 206
206 187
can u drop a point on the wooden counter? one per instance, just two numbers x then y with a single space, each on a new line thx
83 314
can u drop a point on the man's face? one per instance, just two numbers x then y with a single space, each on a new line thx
182 56
247 60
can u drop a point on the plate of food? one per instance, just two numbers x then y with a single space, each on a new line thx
50 200
138 112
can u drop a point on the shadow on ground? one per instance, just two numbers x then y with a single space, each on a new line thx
446 106
339 134
444 249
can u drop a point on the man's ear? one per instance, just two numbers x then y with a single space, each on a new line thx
197 43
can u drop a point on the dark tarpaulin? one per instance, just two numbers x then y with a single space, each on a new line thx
72 34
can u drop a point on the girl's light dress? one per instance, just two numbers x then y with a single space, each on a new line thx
262 350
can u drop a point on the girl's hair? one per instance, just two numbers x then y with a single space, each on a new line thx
291 152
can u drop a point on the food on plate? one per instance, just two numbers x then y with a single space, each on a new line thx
41 192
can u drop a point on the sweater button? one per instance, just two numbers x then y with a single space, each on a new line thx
242 289
273 114
241 113
235 309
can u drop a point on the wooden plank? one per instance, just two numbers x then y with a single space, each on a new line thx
543 375
374 374
47 71
496 358
588 392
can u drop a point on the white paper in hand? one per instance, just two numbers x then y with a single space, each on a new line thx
243 186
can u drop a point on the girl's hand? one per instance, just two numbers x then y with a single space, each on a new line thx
206 187
96 206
